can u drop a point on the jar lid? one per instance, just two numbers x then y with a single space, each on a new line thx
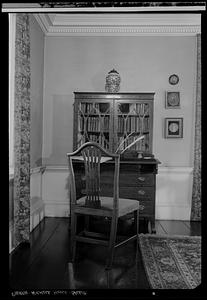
113 71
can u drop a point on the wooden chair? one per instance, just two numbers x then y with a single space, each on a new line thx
93 204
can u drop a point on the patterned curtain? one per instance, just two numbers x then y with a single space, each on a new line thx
196 195
22 131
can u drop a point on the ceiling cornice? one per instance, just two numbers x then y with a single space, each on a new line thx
124 19
121 24
44 22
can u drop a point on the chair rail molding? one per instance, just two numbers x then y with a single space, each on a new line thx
119 24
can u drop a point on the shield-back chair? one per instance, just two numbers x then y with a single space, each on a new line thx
93 204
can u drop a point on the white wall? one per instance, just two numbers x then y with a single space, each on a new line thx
145 64
12 37
37 75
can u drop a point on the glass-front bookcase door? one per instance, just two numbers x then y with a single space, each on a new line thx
114 120
133 119
94 123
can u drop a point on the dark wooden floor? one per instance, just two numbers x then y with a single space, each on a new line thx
44 264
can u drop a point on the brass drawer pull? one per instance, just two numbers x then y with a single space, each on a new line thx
141 179
141 192
141 207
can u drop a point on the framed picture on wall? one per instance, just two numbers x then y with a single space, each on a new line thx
172 100
173 127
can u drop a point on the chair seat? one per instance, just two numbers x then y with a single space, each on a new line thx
126 206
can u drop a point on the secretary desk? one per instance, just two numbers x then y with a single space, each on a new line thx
108 119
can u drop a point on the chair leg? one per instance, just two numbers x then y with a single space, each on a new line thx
73 235
71 276
86 222
112 242
136 219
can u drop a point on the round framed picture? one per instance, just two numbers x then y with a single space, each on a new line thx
173 79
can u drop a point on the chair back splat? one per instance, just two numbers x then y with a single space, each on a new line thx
92 158
92 154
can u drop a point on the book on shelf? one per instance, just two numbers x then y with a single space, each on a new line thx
133 123
142 109
93 123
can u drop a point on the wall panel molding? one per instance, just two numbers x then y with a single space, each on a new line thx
175 169
173 193
57 208
173 196
37 207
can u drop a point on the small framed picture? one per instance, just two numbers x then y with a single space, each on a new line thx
173 79
172 100
173 128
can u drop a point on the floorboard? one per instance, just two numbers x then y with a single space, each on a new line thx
45 264
21 259
50 266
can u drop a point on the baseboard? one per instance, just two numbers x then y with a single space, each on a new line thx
56 208
172 213
11 230
36 216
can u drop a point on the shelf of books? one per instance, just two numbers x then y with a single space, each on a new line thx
122 121
94 123
132 122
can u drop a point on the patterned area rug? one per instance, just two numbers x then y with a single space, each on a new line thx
171 262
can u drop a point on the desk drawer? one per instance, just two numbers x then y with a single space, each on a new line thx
146 208
136 179
145 180
144 193
130 179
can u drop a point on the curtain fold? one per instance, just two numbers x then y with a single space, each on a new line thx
196 193
22 131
